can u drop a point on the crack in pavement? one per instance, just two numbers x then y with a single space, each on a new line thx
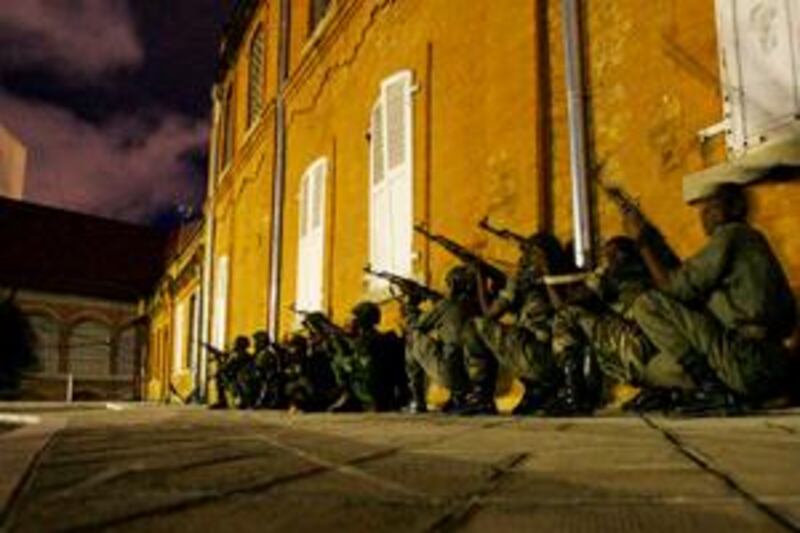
706 464
468 506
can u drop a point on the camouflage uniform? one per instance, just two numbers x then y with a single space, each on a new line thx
727 308
429 356
603 320
369 364
524 346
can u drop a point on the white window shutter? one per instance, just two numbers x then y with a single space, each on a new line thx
311 245
178 336
220 302
380 201
399 165
760 58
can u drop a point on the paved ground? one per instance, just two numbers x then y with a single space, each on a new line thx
183 469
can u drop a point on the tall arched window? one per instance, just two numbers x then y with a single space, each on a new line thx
226 147
316 12
126 352
255 77
89 347
45 331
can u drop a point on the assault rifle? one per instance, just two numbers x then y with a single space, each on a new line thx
628 206
486 269
622 199
503 233
318 322
409 287
220 356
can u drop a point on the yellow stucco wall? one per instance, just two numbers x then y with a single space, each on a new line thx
653 82
241 205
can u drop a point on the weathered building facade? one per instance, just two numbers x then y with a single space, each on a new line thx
386 113
81 281
173 370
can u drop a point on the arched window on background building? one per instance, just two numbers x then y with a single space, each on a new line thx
255 77
126 352
89 350
45 331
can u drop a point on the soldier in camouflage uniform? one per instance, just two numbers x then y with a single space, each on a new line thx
594 326
727 309
232 374
297 389
524 345
368 364
434 340
269 372
600 318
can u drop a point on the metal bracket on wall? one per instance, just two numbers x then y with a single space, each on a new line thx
712 131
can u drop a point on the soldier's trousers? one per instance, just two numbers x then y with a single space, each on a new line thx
528 357
621 349
752 367
426 357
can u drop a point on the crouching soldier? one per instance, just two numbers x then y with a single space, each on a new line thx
368 364
724 313
524 345
435 341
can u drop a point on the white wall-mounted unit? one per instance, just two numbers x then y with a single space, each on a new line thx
759 47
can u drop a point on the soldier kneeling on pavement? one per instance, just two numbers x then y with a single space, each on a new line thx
524 345
436 342
724 313
369 365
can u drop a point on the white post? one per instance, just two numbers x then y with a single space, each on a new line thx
69 387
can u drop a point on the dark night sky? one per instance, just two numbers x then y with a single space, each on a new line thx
112 99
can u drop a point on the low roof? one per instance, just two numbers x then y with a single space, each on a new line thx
53 250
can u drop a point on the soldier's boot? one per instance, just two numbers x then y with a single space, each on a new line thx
346 403
533 401
222 398
652 399
572 398
711 397
418 403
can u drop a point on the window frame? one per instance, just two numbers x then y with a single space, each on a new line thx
312 231
228 130
404 264
316 19
255 88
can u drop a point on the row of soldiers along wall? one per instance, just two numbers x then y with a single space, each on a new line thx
700 335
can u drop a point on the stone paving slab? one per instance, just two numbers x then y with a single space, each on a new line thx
186 469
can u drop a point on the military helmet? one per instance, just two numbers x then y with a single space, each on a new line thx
366 314
241 343
261 338
460 279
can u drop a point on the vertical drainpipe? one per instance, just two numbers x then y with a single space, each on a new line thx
543 126
208 252
581 214
278 174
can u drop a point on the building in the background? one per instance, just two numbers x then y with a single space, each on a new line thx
385 113
82 282
13 156
175 368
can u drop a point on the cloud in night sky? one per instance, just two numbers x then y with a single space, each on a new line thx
85 37
127 169
111 99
